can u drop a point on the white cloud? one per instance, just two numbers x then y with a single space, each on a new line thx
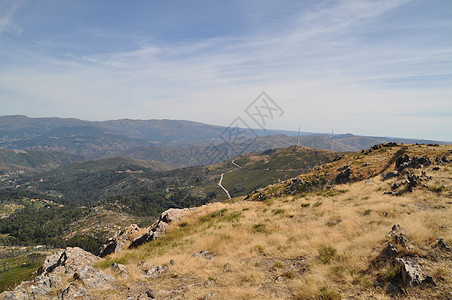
314 65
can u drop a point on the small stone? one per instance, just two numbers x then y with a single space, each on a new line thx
443 245
204 254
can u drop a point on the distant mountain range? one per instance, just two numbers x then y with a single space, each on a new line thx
173 141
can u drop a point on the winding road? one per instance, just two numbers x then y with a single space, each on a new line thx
224 189
233 162
220 183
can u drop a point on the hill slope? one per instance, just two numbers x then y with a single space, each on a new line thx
149 187
34 161
325 244
358 240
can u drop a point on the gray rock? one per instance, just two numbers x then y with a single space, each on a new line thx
398 237
94 278
73 291
405 162
55 267
156 271
70 260
412 273
389 175
120 269
159 228
118 241
443 245
344 176
204 254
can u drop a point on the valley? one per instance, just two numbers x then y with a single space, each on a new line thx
58 200
359 226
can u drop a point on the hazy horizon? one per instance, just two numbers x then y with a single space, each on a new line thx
374 68
294 132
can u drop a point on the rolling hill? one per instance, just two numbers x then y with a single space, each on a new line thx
173 141
34 161
148 187
368 225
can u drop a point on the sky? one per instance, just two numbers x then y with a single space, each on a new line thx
376 67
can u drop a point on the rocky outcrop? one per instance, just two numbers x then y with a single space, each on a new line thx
158 228
73 291
398 254
344 176
118 241
405 162
412 272
389 175
204 254
68 261
72 265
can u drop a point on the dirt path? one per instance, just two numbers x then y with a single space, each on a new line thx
221 185
233 162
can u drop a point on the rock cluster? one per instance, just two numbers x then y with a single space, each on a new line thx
379 146
405 176
118 241
405 162
158 229
344 176
73 264
398 253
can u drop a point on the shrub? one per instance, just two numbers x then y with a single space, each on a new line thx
326 293
278 211
288 275
213 215
260 228
392 273
259 249
232 217
326 253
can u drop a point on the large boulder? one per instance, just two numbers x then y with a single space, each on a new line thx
72 264
413 273
158 229
93 278
404 162
344 176
118 241
68 261
73 291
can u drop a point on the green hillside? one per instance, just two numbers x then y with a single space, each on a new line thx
148 187
34 161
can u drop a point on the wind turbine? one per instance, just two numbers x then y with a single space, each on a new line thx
298 136
331 138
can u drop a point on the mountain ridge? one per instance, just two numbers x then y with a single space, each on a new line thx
101 139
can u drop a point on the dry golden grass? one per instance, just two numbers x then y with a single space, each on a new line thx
271 248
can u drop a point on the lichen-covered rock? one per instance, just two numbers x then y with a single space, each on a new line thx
118 241
412 272
204 254
69 261
120 269
94 278
73 291
158 229
70 264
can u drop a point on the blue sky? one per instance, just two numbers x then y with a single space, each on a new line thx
367 67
